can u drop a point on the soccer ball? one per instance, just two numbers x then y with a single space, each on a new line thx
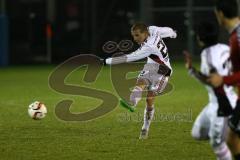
37 110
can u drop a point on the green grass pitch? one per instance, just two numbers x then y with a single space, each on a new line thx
113 136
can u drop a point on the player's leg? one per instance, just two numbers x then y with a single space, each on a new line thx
148 114
234 133
135 95
233 141
217 136
234 144
201 126
154 90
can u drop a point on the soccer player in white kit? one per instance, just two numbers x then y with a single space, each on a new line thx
156 71
211 123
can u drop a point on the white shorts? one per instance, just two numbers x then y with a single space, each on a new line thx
209 126
156 82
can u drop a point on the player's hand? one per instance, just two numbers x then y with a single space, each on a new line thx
215 79
174 35
103 61
188 59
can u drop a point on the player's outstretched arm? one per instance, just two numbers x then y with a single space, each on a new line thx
199 76
188 59
193 71
141 53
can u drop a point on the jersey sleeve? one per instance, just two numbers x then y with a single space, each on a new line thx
235 51
204 66
167 32
141 53
232 79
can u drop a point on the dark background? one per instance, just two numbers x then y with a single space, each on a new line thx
83 26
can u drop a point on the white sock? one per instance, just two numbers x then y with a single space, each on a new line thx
222 152
136 95
148 116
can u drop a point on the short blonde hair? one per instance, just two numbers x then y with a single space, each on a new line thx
139 26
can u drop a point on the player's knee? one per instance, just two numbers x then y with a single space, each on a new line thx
195 133
141 82
150 101
233 141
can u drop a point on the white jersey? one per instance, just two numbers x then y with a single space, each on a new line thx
217 57
153 48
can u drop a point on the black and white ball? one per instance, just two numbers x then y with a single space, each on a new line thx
37 110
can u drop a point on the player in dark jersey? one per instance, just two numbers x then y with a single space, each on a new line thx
227 15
